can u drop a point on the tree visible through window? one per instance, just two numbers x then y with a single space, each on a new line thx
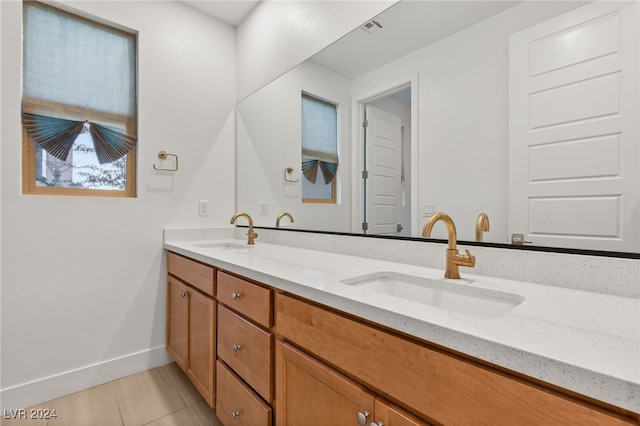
79 107
80 169
319 150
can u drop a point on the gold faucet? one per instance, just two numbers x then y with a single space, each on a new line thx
251 236
280 216
454 259
482 225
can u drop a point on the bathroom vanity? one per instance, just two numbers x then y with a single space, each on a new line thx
311 337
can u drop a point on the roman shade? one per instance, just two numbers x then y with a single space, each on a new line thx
319 138
78 76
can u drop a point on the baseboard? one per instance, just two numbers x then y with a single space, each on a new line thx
52 387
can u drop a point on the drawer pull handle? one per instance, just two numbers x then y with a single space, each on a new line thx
236 348
362 417
235 414
235 296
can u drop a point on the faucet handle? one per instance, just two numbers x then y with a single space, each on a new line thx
468 259
251 236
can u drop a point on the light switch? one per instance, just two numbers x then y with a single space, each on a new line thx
264 210
428 209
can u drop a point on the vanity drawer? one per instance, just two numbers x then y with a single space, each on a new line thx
441 386
196 274
247 298
236 403
247 349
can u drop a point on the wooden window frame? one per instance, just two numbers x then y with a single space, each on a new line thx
333 200
29 184
29 149
334 186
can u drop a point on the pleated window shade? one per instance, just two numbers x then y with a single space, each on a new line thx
319 146
78 76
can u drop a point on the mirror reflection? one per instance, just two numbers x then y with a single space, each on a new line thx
511 117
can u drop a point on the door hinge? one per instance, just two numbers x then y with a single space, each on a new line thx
365 123
518 239
365 174
365 226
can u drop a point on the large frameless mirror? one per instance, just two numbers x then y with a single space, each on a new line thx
513 111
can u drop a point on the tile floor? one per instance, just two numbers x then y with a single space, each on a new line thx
163 396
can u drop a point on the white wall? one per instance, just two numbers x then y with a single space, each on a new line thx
269 141
463 118
83 278
278 35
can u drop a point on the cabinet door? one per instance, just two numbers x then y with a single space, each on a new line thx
312 394
388 414
202 329
177 320
435 384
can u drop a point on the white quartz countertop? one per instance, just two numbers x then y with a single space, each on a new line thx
582 341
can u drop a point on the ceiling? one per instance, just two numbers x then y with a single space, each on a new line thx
231 12
406 27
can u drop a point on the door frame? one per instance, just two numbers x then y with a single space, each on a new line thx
358 102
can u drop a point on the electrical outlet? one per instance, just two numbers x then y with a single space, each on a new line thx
428 209
264 210
203 208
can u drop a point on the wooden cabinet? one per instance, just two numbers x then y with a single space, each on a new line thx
249 299
202 341
387 414
245 351
237 403
196 274
177 321
312 394
191 322
435 385
246 348
314 365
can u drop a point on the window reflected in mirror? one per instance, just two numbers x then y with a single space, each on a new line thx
319 149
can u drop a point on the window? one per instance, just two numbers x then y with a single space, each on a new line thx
319 150
79 107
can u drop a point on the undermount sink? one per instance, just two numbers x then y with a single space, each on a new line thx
439 293
223 245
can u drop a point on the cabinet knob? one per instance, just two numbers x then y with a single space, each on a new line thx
183 294
235 296
378 423
235 414
236 348
362 417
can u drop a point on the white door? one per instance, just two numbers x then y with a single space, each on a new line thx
573 136
383 163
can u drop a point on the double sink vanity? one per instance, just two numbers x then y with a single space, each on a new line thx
277 334
322 328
